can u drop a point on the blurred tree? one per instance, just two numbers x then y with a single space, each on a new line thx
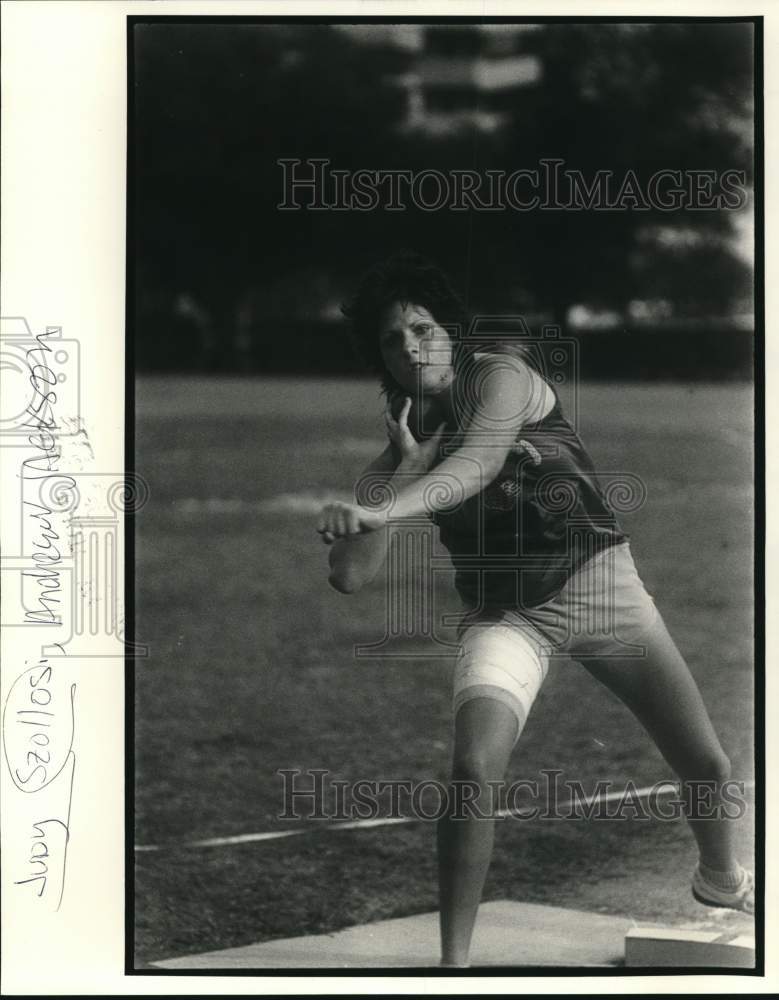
640 97
216 107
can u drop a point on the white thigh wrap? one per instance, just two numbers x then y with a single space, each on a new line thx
502 661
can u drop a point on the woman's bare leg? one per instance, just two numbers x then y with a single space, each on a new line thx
485 733
662 693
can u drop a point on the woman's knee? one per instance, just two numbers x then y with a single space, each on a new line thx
485 732
479 765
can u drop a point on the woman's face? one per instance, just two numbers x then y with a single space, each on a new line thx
416 350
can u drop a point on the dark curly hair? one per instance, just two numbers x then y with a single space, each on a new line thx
404 277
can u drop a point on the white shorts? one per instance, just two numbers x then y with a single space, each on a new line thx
603 610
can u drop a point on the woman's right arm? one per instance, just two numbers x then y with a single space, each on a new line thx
355 560
359 540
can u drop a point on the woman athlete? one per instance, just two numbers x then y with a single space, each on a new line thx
542 565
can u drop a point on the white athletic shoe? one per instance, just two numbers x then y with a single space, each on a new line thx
742 898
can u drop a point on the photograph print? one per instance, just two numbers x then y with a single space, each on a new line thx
445 351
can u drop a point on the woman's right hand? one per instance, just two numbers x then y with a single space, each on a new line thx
414 454
342 520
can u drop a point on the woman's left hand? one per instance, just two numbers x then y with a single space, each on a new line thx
415 454
342 520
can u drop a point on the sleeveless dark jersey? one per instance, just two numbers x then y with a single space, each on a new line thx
517 542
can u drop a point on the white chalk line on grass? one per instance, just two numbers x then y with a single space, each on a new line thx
283 503
365 824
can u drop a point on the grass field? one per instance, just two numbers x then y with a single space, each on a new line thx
251 666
